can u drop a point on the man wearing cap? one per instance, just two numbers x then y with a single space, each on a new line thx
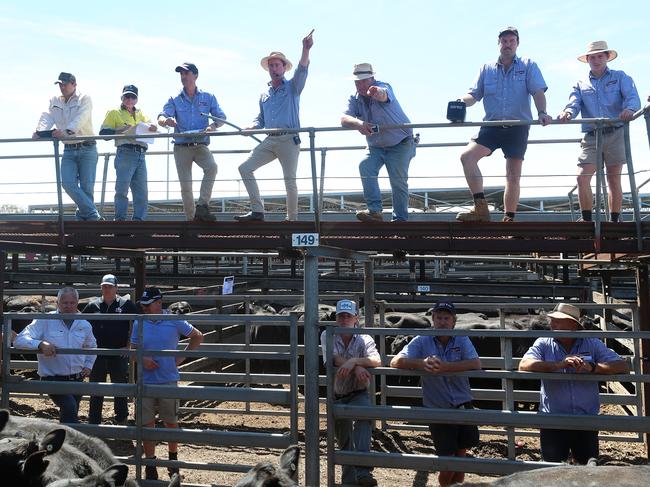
570 356
369 110
71 115
352 353
605 93
279 109
48 335
186 112
505 87
160 370
113 334
130 165
435 356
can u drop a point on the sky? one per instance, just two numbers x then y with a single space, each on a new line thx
429 51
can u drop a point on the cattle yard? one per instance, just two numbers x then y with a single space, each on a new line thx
237 407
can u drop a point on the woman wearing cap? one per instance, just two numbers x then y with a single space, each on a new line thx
604 93
130 164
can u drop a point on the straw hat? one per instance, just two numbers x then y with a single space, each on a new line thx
276 55
596 47
565 311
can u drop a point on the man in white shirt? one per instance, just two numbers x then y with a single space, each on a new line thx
46 336
70 114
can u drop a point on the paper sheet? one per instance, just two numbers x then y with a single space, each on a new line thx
142 128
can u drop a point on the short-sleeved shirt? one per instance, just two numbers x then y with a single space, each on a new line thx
440 391
604 97
187 112
506 94
280 107
360 346
570 396
116 119
161 335
390 112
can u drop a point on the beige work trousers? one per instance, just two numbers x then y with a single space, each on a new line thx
185 156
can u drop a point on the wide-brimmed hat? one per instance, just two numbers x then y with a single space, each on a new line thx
276 55
564 311
598 46
362 71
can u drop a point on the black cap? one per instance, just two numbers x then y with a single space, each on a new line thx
150 295
130 89
187 67
445 306
509 30
65 78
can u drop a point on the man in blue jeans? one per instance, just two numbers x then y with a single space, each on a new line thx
46 335
70 114
371 108
353 353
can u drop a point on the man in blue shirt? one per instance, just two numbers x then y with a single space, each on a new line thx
185 112
570 356
604 94
372 107
279 109
161 335
505 87
437 355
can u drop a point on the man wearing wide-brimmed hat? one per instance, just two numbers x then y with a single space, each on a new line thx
279 109
506 87
372 110
605 93
570 356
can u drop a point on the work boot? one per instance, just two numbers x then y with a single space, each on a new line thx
507 219
251 216
480 213
173 455
367 480
150 471
370 216
202 214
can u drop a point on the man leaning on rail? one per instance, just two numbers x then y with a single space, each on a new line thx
570 356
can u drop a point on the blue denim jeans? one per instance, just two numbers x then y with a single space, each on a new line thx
130 171
396 159
78 167
354 435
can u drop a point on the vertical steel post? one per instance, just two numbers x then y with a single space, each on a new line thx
107 156
633 191
599 179
6 334
323 153
314 184
59 193
643 302
369 293
312 440
329 345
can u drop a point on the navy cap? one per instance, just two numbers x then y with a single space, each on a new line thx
509 30
445 306
150 295
65 78
187 67
130 90
109 279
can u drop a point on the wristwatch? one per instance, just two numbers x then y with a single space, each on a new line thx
593 366
541 112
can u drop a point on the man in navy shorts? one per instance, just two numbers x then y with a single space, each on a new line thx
505 86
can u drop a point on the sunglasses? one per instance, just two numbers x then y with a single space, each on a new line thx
130 96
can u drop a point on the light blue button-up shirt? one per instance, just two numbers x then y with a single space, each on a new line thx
280 107
604 97
187 113
389 112
570 396
506 94
439 391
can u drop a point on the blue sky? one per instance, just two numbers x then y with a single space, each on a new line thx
430 52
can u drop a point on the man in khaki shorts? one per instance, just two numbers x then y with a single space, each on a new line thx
160 335
604 94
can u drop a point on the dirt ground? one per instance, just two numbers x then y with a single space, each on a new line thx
404 441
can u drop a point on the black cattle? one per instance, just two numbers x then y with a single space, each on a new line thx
180 308
266 474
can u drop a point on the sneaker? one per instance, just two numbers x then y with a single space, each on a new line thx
507 219
251 216
367 480
480 213
202 214
369 216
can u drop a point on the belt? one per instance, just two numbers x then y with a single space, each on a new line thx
88 143
66 378
190 144
606 130
358 391
133 147
277 134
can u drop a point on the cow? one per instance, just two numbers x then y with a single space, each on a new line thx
180 308
267 474
575 476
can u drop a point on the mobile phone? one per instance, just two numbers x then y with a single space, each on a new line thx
296 139
374 128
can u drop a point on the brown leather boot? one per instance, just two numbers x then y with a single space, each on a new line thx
480 213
